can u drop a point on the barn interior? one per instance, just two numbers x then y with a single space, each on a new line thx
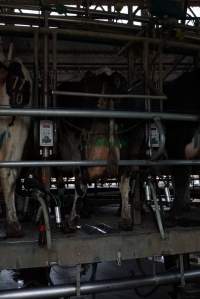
149 43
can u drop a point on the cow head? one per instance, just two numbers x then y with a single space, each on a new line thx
118 83
18 84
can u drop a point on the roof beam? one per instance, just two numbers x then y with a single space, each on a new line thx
78 2
100 2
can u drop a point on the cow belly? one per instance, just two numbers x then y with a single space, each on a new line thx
112 155
192 152
97 153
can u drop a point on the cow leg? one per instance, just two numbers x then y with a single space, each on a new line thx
126 219
73 219
181 181
136 200
8 181
11 150
80 193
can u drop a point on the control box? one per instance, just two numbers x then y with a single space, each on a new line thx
46 133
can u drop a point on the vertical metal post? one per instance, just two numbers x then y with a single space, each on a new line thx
182 270
78 280
146 88
146 74
46 60
110 11
135 195
154 266
160 76
54 57
131 66
36 69
35 98
46 171
130 14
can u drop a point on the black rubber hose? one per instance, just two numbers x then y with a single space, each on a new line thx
33 183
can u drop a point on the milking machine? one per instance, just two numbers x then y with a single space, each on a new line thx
47 137
39 207
42 202
157 190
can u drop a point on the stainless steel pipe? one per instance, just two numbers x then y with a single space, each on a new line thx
46 63
67 21
112 96
98 114
100 36
100 286
94 163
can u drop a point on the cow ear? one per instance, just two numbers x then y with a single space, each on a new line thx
3 75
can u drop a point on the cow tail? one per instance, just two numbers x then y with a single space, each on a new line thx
113 158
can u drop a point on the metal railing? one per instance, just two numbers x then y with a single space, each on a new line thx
100 286
98 114
94 163
107 96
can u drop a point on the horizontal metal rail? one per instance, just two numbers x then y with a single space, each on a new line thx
67 21
95 2
112 96
100 286
98 114
100 36
94 163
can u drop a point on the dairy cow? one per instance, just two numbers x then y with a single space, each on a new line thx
100 139
15 91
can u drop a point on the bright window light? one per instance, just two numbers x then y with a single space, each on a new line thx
196 11
22 25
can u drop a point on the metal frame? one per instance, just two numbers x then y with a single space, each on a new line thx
100 286
108 96
99 114
78 2
103 37
92 163
26 253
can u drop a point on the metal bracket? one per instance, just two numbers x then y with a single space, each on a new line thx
182 271
119 258
78 280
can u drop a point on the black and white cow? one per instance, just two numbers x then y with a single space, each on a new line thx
15 91
100 139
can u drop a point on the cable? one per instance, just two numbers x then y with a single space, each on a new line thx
147 294
137 290
33 183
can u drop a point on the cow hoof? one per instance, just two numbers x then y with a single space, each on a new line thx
68 230
14 230
74 222
71 224
126 224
